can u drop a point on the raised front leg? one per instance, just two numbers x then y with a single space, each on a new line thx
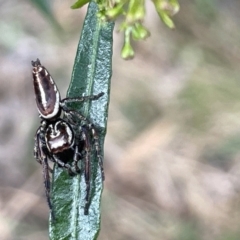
87 163
81 99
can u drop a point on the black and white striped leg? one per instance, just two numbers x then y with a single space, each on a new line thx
41 158
63 165
73 116
81 99
76 159
97 147
37 147
40 153
70 115
87 171
47 184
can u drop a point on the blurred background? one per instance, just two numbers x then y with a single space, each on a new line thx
173 143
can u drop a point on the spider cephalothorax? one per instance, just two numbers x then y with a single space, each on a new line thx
56 136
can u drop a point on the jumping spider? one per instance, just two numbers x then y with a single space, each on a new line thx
56 136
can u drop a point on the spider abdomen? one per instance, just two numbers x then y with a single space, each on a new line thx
46 92
59 136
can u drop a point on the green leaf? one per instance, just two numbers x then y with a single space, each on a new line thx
79 4
91 75
139 32
166 19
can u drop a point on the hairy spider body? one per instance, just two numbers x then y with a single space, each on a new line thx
56 138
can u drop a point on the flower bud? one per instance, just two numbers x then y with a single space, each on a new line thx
136 11
127 50
139 32
170 7
114 12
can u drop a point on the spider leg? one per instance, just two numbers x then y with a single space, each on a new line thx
63 165
97 149
47 184
50 169
45 168
70 114
76 159
81 99
38 140
41 155
87 171
36 150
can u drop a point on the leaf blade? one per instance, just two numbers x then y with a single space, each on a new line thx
91 75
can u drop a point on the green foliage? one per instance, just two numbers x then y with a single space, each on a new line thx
133 13
91 75
188 231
